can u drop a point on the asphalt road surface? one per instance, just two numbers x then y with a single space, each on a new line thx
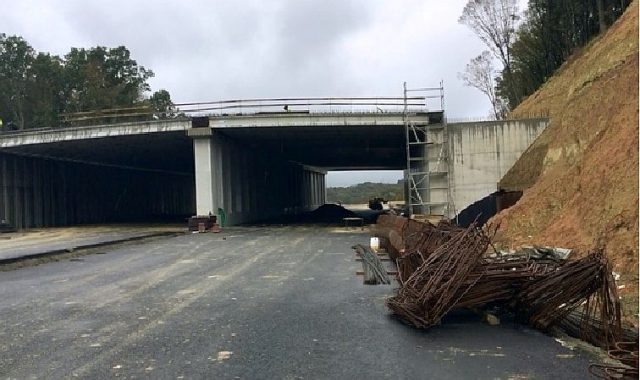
262 303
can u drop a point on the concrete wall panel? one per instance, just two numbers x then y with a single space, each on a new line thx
480 153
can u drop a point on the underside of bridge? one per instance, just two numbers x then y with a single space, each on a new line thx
251 172
286 165
251 167
138 178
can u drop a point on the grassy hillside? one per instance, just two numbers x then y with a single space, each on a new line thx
580 177
361 192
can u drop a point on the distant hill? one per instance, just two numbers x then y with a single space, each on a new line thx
362 192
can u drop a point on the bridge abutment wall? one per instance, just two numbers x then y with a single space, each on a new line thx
39 192
480 154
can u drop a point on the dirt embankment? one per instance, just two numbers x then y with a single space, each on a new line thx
580 177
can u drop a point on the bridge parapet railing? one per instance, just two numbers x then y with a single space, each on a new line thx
316 105
240 107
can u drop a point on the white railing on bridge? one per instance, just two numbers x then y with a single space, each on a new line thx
303 105
257 106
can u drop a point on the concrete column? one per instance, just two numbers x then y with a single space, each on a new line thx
227 181
37 193
17 195
4 198
237 182
324 189
202 152
405 187
246 186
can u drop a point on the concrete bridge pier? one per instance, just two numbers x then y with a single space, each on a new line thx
249 184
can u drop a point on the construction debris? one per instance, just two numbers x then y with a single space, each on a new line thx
443 267
399 235
441 280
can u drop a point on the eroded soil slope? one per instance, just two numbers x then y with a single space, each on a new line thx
580 177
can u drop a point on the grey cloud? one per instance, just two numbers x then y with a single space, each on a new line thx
204 50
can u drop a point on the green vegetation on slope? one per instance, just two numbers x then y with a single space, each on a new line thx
529 49
551 32
362 192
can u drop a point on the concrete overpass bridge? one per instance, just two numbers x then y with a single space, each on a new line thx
256 159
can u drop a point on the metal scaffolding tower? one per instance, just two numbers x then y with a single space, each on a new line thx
427 173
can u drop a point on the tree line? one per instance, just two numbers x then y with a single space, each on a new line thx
38 90
529 48
362 192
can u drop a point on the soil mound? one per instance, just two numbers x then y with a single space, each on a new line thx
580 177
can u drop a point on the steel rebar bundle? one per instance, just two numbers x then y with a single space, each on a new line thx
405 236
443 267
407 264
624 352
500 279
429 237
578 325
441 280
586 283
374 270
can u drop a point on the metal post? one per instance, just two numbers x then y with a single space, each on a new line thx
407 176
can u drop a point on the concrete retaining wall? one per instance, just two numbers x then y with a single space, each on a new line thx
480 153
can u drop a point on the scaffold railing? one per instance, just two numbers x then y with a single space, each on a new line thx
427 172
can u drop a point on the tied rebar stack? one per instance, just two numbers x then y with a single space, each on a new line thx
586 283
624 352
374 270
441 280
442 267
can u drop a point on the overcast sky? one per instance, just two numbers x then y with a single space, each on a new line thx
210 50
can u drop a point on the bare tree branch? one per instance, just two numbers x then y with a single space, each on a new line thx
480 74
494 22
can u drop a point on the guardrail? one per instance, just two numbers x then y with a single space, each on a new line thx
256 106
238 107
310 105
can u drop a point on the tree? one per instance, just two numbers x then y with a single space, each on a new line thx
480 74
551 32
101 78
36 88
494 22
45 99
161 104
16 58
